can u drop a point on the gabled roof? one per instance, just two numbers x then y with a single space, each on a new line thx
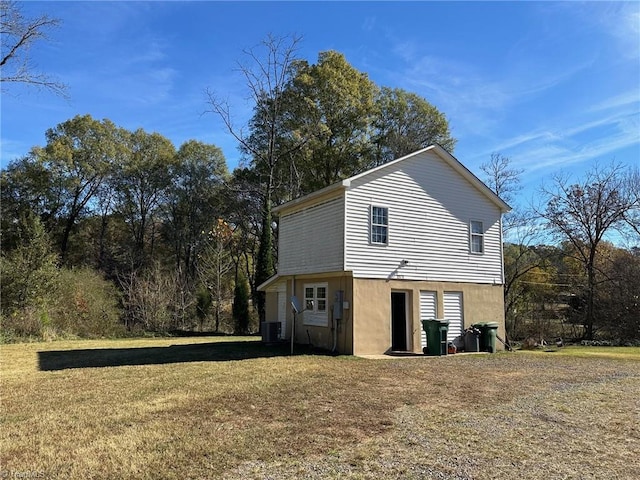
453 162
268 282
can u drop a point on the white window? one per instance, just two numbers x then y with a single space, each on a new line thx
379 225
315 304
476 236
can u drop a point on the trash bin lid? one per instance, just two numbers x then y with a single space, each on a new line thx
480 324
429 325
492 325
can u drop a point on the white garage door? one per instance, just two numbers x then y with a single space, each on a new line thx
427 312
453 313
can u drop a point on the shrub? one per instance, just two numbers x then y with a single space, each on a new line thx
29 282
87 305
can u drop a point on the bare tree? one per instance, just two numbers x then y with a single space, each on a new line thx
583 214
215 264
266 76
18 36
520 230
501 176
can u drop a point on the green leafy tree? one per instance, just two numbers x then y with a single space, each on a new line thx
25 189
193 198
79 156
406 122
337 104
141 180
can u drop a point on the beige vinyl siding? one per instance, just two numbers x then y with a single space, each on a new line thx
430 207
311 239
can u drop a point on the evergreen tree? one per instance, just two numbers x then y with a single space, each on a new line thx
241 305
29 275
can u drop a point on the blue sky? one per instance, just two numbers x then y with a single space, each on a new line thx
553 86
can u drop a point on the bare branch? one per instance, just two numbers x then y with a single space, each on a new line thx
18 35
501 177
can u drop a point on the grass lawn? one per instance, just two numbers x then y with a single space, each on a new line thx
197 408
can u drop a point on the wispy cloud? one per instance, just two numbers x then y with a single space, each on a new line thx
617 20
576 141
474 99
627 100
368 24
544 112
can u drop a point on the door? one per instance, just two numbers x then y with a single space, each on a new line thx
427 312
453 312
282 313
399 321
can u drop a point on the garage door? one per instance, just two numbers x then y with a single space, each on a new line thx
453 313
427 311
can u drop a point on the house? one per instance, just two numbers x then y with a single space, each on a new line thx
371 256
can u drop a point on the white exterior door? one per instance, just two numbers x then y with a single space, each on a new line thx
427 312
453 313
282 312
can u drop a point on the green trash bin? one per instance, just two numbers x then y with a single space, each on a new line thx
488 333
436 331
492 333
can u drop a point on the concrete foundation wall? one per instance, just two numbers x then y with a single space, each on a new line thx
338 331
365 326
372 310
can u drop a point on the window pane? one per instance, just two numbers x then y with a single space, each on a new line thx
380 216
476 244
378 234
322 305
476 227
322 292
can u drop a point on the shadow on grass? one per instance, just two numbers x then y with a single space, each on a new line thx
198 352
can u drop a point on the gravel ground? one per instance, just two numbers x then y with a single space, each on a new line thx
578 423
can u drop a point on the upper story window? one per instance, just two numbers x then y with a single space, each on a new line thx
476 236
379 225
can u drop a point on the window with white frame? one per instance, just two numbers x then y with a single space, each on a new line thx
315 304
476 236
379 225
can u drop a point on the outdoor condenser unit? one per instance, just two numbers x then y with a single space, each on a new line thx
270 332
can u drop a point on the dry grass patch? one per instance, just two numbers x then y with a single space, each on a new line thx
500 416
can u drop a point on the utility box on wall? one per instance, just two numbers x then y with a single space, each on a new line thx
338 298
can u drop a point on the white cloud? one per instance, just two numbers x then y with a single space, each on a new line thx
544 149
